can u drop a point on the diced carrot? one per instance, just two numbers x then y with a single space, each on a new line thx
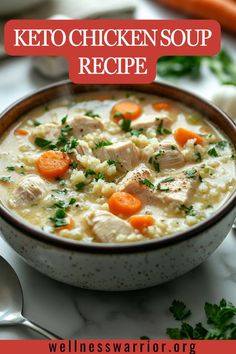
182 135
21 132
69 226
141 222
124 204
159 106
53 164
126 109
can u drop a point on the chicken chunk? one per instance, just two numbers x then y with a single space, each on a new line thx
168 156
146 122
29 190
133 183
107 226
47 131
177 189
82 125
83 148
125 153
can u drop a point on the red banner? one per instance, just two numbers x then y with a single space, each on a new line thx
112 51
118 346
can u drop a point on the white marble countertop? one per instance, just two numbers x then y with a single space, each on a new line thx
76 313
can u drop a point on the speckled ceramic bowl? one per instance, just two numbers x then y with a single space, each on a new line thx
118 267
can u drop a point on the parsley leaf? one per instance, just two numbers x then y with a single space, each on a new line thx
188 210
136 132
162 130
179 310
91 114
42 143
147 183
101 144
112 162
191 173
213 152
5 179
10 168
80 186
89 172
125 125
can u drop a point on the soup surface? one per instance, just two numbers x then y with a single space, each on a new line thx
115 167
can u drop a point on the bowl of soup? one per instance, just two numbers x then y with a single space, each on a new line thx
112 187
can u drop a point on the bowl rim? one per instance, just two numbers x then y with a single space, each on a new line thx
119 248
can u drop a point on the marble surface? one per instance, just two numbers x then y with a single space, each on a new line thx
76 313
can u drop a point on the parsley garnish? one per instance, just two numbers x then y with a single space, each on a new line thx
162 130
74 165
91 114
191 173
179 310
155 164
118 115
43 143
189 210
162 188
99 176
59 218
213 152
218 316
101 144
80 186
222 144
167 179
10 168
147 183
5 179
89 172
60 191
36 123
125 125
112 162
136 132
64 119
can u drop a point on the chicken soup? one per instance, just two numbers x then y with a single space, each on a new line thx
114 167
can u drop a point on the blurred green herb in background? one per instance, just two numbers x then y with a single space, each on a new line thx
221 65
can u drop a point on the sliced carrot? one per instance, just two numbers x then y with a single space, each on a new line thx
141 222
69 226
159 106
124 204
53 164
21 132
182 135
126 109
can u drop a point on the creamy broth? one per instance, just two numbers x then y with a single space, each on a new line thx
115 167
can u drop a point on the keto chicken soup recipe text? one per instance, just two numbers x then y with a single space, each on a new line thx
115 167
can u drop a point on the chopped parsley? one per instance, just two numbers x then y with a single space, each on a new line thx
118 115
101 144
189 210
99 176
162 188
125 125
167 179
162 130
155 164
64 119
179 310
5 179
147 183
89 172
136 132
70 146
213 152
10 168
91 114
80 186
43 143
191 173
74 165
112 162
221 144
60 191
59 218
36 123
